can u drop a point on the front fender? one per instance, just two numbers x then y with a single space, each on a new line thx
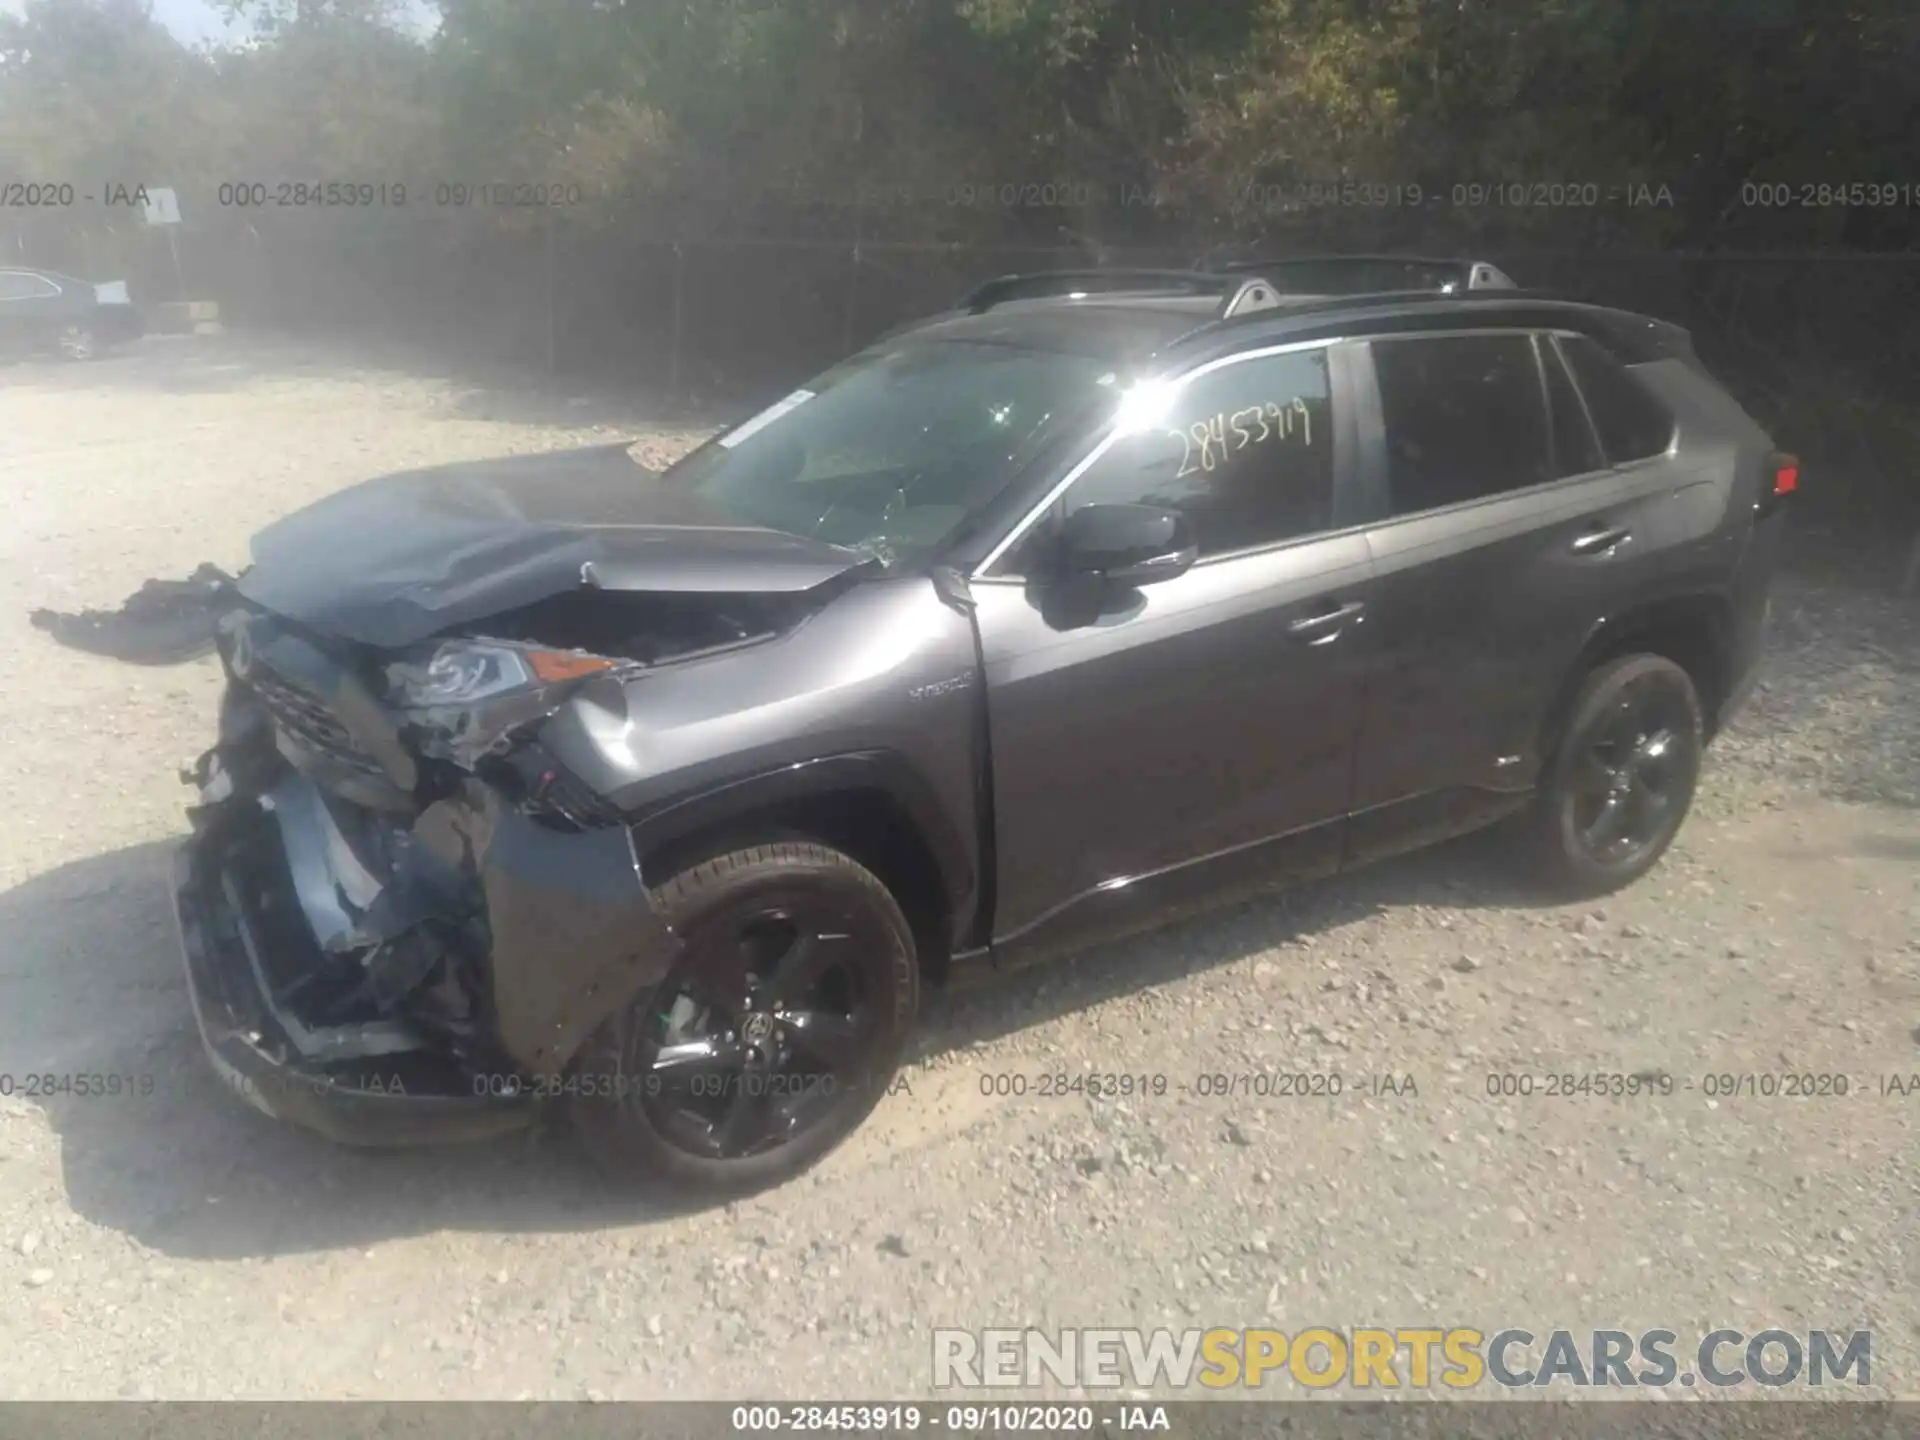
885 771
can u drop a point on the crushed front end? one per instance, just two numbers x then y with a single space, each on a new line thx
399 931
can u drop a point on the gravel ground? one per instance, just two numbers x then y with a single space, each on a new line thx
180 1246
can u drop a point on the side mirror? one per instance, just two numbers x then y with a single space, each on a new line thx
1129 545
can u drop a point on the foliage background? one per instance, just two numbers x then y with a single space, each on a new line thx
748 187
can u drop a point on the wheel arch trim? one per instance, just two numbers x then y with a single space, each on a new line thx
885 771
1613 635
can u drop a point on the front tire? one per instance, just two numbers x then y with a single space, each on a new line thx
1622 777
770 1040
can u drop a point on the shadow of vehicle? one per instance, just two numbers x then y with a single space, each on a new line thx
93 987
1475 872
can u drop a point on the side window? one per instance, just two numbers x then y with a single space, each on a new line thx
1246 454
1465 417
1575 449
1632 424
15 286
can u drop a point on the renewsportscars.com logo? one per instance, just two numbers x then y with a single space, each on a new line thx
1365 1358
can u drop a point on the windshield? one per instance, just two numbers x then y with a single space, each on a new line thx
892 451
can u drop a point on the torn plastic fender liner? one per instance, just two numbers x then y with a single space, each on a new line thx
575 935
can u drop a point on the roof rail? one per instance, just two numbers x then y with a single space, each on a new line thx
1247 297
1043 283
1476 274
1229 280
1308 305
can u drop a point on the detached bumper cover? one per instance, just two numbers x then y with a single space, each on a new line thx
573 937
253 1053
575 934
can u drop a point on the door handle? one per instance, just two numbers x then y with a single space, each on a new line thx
1319 629
1599 542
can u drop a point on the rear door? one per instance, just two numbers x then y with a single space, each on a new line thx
1505 538
1157 743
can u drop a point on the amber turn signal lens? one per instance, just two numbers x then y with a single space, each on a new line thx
555 665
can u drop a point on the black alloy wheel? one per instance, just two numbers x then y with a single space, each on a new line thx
1631 773
770 1039
1624 776
763 1025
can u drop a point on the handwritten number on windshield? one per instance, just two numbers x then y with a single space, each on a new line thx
1206 443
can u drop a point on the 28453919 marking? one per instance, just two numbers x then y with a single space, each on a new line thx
93 1084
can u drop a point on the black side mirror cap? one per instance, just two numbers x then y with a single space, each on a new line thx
1129 545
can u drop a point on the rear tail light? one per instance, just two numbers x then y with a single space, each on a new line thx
1780 480
1786 474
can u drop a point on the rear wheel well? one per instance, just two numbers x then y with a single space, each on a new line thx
1693 633
867 824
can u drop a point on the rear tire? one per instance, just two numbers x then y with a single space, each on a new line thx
1621 779
790 949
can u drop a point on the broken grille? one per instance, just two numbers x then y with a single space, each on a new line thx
305 716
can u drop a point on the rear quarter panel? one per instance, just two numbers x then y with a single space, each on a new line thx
1719 455
1720 547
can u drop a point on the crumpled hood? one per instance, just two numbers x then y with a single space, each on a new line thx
398 559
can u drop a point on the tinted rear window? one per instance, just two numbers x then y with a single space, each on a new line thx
1632 424
1465 416
1575 450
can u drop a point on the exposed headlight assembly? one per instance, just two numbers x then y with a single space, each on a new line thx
466 699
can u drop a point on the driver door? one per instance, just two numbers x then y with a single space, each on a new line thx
1157 744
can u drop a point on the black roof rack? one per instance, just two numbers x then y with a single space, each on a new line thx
1247 285
1241 290
1041 284
1308 306
1472 274
1237 294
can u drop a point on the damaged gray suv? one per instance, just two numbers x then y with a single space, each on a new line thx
663 798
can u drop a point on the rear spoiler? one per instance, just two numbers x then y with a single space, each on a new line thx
1638 340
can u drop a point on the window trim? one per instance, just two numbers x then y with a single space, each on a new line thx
48 291
984 572
1545 341
1599 436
